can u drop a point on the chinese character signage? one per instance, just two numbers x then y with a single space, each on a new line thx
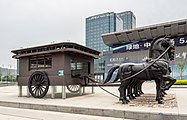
144 45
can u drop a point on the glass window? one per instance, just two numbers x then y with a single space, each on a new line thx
79 68
41 62
33 63
38 62
48 61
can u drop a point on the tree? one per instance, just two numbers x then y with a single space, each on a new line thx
181 66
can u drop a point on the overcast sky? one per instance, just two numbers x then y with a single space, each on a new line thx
26 23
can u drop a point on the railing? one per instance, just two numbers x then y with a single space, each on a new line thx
5 83
8 81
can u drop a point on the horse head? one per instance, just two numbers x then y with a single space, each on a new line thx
167 42
159 45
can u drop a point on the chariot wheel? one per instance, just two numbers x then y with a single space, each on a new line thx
73 88
38 84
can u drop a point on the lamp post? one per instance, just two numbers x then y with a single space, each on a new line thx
0 74
10 74
7 75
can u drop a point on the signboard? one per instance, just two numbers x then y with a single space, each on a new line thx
144 45
61 73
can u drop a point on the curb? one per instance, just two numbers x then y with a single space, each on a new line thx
125 114
179 86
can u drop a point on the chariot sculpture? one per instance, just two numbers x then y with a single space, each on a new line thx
71 65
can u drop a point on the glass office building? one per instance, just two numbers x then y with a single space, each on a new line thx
129 19
105 23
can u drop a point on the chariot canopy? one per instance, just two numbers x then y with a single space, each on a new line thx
55 48
171 29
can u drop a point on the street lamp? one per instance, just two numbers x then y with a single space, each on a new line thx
0 74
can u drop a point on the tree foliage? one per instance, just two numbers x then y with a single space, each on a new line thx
181 66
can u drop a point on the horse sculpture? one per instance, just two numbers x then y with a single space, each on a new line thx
154 51
133 74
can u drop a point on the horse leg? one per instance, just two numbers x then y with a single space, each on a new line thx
164 92
158 90
122 90
130 87
133 87
170 79
140 87
136 89
162 88
126 92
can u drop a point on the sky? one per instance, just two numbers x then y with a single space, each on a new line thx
25 23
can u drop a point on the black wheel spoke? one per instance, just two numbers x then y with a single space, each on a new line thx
41 90
43 87
42 80
35 78
34 81
33 90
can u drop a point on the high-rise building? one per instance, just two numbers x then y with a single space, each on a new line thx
98 25
129 20
105 23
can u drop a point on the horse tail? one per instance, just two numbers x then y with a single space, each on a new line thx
110 72
117 77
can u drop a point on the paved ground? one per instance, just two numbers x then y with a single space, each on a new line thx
100 103
7 113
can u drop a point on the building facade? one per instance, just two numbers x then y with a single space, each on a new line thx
128 18
105 23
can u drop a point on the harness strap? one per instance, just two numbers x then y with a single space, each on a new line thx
147 71
147 65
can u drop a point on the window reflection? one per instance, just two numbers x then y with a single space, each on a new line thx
79 68
37 62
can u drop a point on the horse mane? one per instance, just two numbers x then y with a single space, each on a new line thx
153 41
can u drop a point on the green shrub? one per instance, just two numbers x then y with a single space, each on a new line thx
179 82
9 79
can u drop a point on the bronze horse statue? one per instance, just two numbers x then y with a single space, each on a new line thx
154 51
153 69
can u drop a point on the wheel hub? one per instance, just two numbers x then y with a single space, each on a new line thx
38 84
